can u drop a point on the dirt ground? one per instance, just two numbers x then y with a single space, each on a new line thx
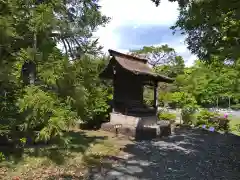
99 155
188 154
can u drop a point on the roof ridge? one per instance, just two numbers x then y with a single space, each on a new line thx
116 53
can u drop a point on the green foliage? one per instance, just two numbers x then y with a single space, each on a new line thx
163 58
165 97
187 114
166 116
66 86
2 157
237 127
148 95
212 119
182 3
209 83
44 112
156 56
182 99
85 92
210 30
235 106
165 61
223 124
171 68
204 116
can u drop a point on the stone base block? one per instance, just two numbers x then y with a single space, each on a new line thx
142 128
144 133
127 131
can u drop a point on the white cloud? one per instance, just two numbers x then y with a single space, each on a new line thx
137 13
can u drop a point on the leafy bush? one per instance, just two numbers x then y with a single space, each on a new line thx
167 116
235 106
212 119
237 127
86 93
205 117
187 114
2 157
44 112
188 103
223 124
181 99
148 96
165 98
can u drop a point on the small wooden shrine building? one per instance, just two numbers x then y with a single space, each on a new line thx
130 74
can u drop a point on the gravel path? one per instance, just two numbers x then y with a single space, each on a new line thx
189 154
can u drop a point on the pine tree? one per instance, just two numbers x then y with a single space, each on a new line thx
32 66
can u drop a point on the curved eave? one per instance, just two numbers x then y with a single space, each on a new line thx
142 70
164 78
154 77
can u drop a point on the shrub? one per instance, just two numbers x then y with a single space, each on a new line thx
188 114
235 106
237 127
182 99
43 111
188 103
212 119
223 124
2 157
206 117
148 96
167 116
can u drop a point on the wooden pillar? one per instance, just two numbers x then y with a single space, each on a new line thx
114 86
156 95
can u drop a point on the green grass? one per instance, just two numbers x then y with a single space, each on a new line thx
234 122
87 149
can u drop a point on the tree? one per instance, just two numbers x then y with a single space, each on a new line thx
211 31
207 83
156 55
165 61
182 3
30 32
212 28
87 95
173 68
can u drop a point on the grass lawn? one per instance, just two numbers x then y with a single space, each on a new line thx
85 150
234 122
233 125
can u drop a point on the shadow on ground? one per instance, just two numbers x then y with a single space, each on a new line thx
188 154
79 142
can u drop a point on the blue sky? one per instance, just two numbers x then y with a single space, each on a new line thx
138 23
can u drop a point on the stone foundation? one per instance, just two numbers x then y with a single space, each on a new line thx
142 128
124 120
132 121
127 131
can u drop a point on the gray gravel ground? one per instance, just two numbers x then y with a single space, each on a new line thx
187 155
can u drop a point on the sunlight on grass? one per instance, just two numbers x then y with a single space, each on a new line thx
234 125
86 150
